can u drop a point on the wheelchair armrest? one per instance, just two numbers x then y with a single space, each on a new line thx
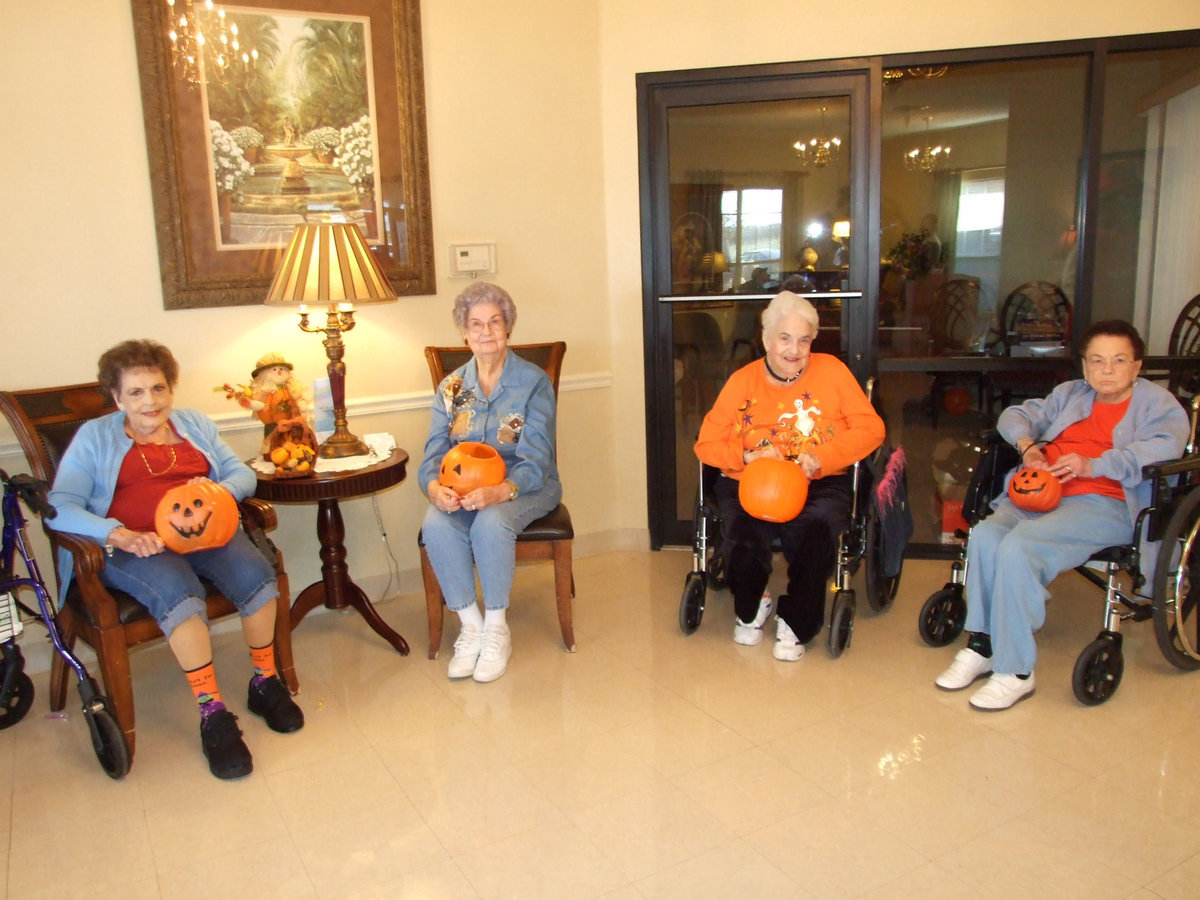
1171 467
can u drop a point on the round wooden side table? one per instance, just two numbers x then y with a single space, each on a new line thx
336 590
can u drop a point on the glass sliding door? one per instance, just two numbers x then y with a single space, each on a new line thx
749 190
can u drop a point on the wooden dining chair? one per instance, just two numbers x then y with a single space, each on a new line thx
107 620
549 537
1185 341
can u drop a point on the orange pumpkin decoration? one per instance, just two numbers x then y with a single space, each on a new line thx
956 401
1034 490
773 489
470 465
197 516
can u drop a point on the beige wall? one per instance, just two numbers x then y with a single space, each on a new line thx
533 144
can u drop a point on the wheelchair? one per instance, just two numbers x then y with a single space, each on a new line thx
1172 519
860 546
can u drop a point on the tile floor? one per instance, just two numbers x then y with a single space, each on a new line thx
646 765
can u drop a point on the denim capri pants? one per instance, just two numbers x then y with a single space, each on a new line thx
168 584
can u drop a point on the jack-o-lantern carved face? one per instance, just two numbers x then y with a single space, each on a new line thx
1034 490
197 516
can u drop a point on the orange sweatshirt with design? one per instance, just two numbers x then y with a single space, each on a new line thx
823 412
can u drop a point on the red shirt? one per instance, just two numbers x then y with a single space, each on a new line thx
1089 438
147 473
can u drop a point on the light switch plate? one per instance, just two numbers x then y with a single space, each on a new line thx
470 260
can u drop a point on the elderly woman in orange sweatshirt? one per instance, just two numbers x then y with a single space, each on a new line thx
798 405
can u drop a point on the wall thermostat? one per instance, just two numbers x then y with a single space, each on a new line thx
471 260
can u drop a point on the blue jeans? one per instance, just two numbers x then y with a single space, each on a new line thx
463 540
168 584
1011 557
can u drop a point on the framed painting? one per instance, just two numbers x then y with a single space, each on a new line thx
286 116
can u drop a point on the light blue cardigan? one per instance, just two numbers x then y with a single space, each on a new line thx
1154 429
87 475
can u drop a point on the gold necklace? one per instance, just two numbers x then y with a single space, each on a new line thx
147 462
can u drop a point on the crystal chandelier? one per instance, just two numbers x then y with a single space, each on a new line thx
199 29
927 159
818 151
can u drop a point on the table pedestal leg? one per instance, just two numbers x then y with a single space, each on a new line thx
335 589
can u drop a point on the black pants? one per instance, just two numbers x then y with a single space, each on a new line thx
809 543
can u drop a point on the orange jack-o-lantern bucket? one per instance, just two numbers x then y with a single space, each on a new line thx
470 465
773 489
1034 490
197 516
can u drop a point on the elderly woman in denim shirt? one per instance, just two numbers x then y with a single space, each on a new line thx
501 400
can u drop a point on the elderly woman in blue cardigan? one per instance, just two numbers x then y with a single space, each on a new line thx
501 400
1094 433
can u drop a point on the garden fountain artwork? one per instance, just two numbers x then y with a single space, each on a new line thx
293 173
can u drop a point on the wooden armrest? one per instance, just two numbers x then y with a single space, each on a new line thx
258 514
86 553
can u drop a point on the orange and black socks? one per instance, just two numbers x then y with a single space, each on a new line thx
204 685
264 660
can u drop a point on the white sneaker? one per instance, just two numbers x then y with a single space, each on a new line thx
1002 691
493 655
750 633
963 672
787 646
466 653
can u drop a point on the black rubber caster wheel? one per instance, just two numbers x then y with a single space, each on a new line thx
943 615
691 605
1098 670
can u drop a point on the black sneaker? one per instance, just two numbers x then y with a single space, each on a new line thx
228 756
269 698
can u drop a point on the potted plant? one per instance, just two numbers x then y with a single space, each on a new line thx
250 139
324 142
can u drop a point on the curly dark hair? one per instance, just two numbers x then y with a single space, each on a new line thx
1114 328
143 354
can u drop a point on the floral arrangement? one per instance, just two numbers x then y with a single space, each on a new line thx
910 254
230 168
356 155
323 139
246 137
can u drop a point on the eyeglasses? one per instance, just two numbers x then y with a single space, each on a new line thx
496 323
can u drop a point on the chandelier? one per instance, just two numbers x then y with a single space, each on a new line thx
891 76
818 151
202 41
927 159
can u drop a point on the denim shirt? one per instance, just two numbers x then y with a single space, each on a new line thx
518 420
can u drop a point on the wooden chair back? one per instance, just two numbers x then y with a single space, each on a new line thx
549 356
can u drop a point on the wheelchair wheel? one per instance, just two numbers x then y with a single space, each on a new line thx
19 700
1177 586
108 741
881 590
943 616
691 605
841 622
1098 670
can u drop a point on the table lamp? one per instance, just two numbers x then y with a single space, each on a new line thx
331 264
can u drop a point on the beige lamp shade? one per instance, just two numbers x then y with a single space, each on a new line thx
329 263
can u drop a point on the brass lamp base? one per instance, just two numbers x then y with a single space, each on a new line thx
341 444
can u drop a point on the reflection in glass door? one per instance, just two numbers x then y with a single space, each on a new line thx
747 191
